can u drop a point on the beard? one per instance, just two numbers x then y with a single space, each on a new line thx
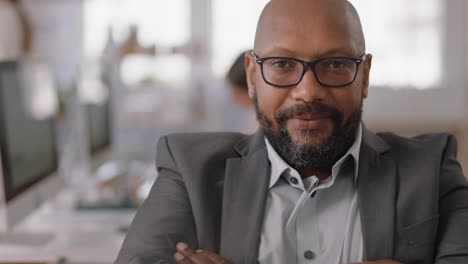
313 151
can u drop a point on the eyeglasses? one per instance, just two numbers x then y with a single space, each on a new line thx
330 72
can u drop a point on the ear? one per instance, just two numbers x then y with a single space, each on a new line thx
367 67
250 71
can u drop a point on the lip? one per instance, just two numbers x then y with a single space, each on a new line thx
309 116
309 121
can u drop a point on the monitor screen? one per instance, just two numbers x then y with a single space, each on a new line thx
28 147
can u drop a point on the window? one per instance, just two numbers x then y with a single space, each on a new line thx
405 38
151 18
234 24
418 67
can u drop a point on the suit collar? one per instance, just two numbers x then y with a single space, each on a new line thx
377 189
374 141
251 143
244 197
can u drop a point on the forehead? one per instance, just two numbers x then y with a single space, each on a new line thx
313 29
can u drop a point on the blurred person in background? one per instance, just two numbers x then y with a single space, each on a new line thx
237 78
239 113
313 185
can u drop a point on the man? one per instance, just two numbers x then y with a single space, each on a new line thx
313 185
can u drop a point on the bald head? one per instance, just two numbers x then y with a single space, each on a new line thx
310 26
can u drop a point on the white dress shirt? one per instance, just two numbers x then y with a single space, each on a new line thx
311 222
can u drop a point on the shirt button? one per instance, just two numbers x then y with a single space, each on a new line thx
293 180
309 254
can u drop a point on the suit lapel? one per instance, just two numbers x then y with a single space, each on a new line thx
245 190
377 198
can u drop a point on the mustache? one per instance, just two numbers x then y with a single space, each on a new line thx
309 108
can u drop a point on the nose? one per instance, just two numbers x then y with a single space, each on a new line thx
309 89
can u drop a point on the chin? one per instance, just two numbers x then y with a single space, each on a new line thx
310 137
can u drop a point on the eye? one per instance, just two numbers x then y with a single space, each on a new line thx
336 64
283 63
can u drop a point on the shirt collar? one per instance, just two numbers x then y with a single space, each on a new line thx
278 165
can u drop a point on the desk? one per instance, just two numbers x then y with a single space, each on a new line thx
91 237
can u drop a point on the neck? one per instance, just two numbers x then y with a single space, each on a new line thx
320 174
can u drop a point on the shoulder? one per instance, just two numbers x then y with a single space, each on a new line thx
206 138
428 148
196 148
198 143
423 141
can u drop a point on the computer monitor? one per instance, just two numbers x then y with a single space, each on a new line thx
29 162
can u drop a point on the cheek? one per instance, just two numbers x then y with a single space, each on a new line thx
347 100
271 99
356 97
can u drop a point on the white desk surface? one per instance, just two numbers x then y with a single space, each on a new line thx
78 236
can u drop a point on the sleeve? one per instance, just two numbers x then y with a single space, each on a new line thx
452 247
163 220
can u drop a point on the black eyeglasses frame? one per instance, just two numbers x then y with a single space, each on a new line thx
312 64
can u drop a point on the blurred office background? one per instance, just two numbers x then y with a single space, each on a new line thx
111 76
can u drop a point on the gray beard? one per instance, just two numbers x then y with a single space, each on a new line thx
320 156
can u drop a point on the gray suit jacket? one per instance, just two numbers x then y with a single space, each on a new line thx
212 188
